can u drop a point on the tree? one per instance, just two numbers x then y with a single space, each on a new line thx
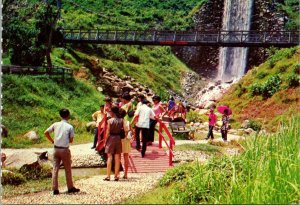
28 30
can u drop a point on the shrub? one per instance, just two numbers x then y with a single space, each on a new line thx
271 86
282 69
271 63
12 178
36 171
177 174
296 69
293 80
255 125
193 116
240 90
261 75
255 89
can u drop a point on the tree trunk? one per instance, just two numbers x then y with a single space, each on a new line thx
49 45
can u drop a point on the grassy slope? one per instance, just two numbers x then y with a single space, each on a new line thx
270 164
156 68
32 103
267 111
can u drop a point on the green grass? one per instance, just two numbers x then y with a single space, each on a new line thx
210 149
160 195
128 14
32 103
267 172
155 67
34 186
266 92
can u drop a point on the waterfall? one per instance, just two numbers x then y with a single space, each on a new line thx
232 60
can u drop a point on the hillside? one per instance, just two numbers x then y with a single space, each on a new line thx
268 93
33 103
155 67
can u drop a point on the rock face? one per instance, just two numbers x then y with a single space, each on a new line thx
113 86
204 60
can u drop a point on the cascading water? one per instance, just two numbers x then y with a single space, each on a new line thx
232 60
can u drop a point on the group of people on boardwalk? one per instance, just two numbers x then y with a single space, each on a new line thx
126 121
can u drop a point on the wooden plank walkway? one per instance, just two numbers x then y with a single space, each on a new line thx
155 160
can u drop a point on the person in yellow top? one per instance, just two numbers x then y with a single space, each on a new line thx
97 116
127 106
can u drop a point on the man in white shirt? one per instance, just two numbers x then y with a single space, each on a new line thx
144 113
63 136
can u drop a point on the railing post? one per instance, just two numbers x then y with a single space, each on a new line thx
154 36
159 136
89 35
174 37
80 34
134 35
115 36
171 154
196 34
97 35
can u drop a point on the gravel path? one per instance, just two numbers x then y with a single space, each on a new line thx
93 191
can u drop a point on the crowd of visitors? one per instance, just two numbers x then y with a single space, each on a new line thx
127 120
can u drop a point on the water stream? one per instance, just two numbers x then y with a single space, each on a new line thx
233 61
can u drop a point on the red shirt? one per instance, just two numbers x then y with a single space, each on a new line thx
212 119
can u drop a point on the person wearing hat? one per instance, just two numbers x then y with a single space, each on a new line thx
144 114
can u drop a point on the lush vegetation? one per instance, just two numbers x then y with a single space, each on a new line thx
269 164
291 8
126 14
33 103
269 93
156 68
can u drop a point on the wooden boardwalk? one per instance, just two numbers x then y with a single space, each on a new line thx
155 160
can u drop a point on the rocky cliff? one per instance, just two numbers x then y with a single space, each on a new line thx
204 60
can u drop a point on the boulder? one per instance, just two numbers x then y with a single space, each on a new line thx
3 158
100 89
249 131
197 124
32 135
4 131
91 125
219 123
208 104
245 124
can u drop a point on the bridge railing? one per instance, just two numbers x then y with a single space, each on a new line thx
171 144
183 37
38 70
101 131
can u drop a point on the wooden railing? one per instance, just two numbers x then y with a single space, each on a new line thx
102 123
184 38
62 72
170 145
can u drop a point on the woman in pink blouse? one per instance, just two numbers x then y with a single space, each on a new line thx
158 111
